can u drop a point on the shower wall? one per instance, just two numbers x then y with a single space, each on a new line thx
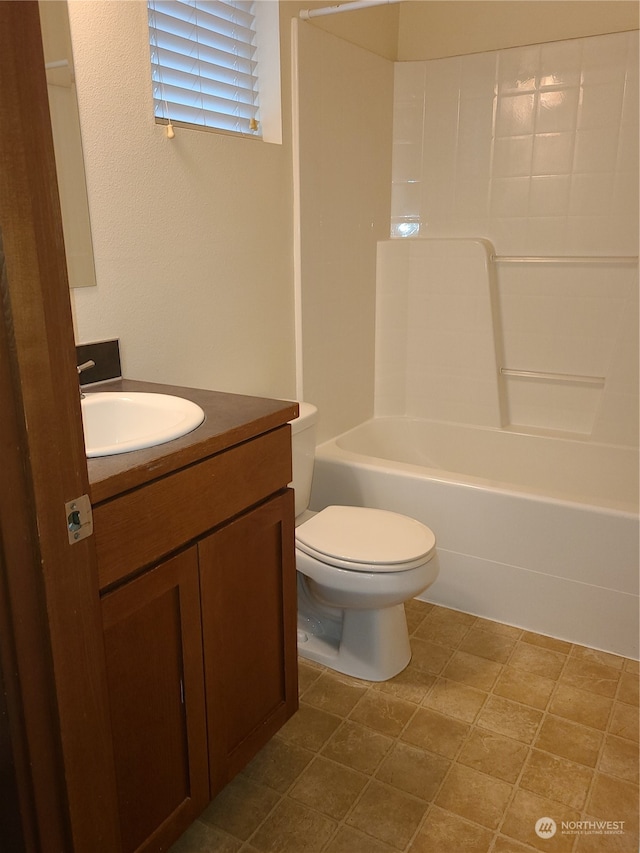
343 105
534 149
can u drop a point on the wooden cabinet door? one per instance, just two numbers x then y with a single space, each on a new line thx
248 599
153 643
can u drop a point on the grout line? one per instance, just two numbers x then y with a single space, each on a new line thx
472 726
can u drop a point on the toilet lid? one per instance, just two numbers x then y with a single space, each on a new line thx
364 539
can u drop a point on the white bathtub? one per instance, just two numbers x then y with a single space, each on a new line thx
535 531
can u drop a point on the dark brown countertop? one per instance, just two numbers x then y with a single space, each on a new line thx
230 419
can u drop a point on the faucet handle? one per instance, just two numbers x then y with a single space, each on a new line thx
85 366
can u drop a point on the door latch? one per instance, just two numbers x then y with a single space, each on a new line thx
79 518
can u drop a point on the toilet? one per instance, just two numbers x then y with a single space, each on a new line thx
356 567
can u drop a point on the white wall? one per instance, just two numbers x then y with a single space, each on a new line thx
192 237
345 97
535 149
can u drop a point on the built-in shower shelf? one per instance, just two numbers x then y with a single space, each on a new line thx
566 259
554 377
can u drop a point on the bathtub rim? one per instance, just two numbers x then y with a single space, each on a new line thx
331 449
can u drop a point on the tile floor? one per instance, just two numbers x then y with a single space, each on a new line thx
489 729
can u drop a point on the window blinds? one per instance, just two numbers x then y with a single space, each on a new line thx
203 63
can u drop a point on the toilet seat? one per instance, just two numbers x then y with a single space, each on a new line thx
365 540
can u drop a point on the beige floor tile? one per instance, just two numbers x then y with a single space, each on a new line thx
538 660
443 632
445 832
498 628
472 670
524 812
240 807
474 796
557 779
358 747
334 694
596 841
383 712
447 616
411 685
428 657
414 619
432 731
569 740
348 840
203 838
418 606
582 707
591 675
487 730
387 814
488 644
501 757
293 828
524 687
625 721
620 758
278 764
543 642
596 656
510 718
414 771
614 799
328 787
309 727
508 845
455 699
307 674
628 692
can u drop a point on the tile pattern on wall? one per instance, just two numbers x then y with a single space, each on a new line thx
489 729
534 148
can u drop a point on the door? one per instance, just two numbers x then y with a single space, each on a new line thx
153 645
248 592
51 652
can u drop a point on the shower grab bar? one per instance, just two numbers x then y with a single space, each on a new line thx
565 259
555 377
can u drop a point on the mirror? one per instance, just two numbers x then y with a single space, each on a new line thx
67 142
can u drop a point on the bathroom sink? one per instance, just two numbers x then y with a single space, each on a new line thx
118 422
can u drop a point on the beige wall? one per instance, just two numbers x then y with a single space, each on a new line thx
438 28
374 29
344 137
192 236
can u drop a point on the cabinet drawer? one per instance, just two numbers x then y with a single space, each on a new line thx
140 527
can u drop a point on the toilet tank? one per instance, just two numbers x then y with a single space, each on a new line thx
303 448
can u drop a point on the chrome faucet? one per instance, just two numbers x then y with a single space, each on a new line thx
86 365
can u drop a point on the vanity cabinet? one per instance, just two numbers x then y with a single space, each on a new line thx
198 597
153 646
248 620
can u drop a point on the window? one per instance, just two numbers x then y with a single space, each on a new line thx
209 61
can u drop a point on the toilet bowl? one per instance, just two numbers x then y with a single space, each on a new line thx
356 566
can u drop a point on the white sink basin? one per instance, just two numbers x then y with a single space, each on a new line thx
118 422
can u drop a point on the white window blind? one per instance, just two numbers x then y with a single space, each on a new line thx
203 61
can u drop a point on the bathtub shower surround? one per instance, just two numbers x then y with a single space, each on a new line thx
533 531
538 345
506 420
506 380
534 148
